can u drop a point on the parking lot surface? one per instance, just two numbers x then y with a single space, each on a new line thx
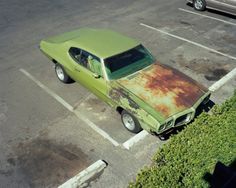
50 131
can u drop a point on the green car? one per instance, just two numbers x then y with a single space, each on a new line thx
123 73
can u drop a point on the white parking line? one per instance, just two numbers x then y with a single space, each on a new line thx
96 128
49 91
129 143
213 18
70 108
189 41
220 82
223 80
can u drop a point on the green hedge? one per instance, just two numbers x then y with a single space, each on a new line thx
188 156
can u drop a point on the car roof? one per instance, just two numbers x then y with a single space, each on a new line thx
103 43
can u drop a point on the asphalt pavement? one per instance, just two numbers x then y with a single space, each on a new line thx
44 142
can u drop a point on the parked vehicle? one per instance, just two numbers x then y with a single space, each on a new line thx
123 73
228 6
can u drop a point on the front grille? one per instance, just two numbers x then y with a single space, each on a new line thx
182 119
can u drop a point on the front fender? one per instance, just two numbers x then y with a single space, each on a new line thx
128 103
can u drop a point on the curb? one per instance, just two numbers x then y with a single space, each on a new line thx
85 175
129 143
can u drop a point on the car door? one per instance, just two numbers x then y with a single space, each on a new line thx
231 6
224 5
86 75
217 4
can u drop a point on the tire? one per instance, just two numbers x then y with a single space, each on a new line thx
61 74
162 137
199 5
130 122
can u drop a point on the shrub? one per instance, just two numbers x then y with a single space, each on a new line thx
187 157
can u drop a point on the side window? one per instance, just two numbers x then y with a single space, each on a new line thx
86 59
75 53
95 65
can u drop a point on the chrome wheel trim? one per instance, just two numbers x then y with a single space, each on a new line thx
60 73
128 122
198 4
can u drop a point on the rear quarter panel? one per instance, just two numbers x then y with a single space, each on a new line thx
59 53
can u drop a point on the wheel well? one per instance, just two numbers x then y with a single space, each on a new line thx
54 61
119 109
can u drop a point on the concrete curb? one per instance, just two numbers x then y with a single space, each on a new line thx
129 143
85 175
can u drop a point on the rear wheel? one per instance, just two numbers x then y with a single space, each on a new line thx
130 122
199 5
61 74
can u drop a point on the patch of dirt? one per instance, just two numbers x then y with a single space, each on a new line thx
229 38
212 71
46 163
7 172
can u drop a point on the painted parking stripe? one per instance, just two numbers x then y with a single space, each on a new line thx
49 91
96 128
129 143
220 82
223 80
70 108
188 41
210 17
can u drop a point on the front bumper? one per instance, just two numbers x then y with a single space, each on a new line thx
183 117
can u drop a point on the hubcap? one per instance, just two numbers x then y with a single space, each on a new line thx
198 4
60 73
128 122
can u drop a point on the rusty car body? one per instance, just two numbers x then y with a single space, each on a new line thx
124 74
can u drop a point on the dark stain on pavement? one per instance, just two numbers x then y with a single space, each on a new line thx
185 23
45 163
216 74
212 71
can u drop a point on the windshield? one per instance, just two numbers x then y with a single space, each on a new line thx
128 62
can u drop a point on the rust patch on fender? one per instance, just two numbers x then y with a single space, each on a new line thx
167 90
164 109
119 94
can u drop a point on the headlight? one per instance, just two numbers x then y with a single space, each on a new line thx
166 125
162 127
169 123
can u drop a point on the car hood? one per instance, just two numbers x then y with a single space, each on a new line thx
164 89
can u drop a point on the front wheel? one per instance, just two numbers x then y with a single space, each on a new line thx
130 122
61 74
199 5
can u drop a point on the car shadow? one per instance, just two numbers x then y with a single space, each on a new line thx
201 108
216 12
